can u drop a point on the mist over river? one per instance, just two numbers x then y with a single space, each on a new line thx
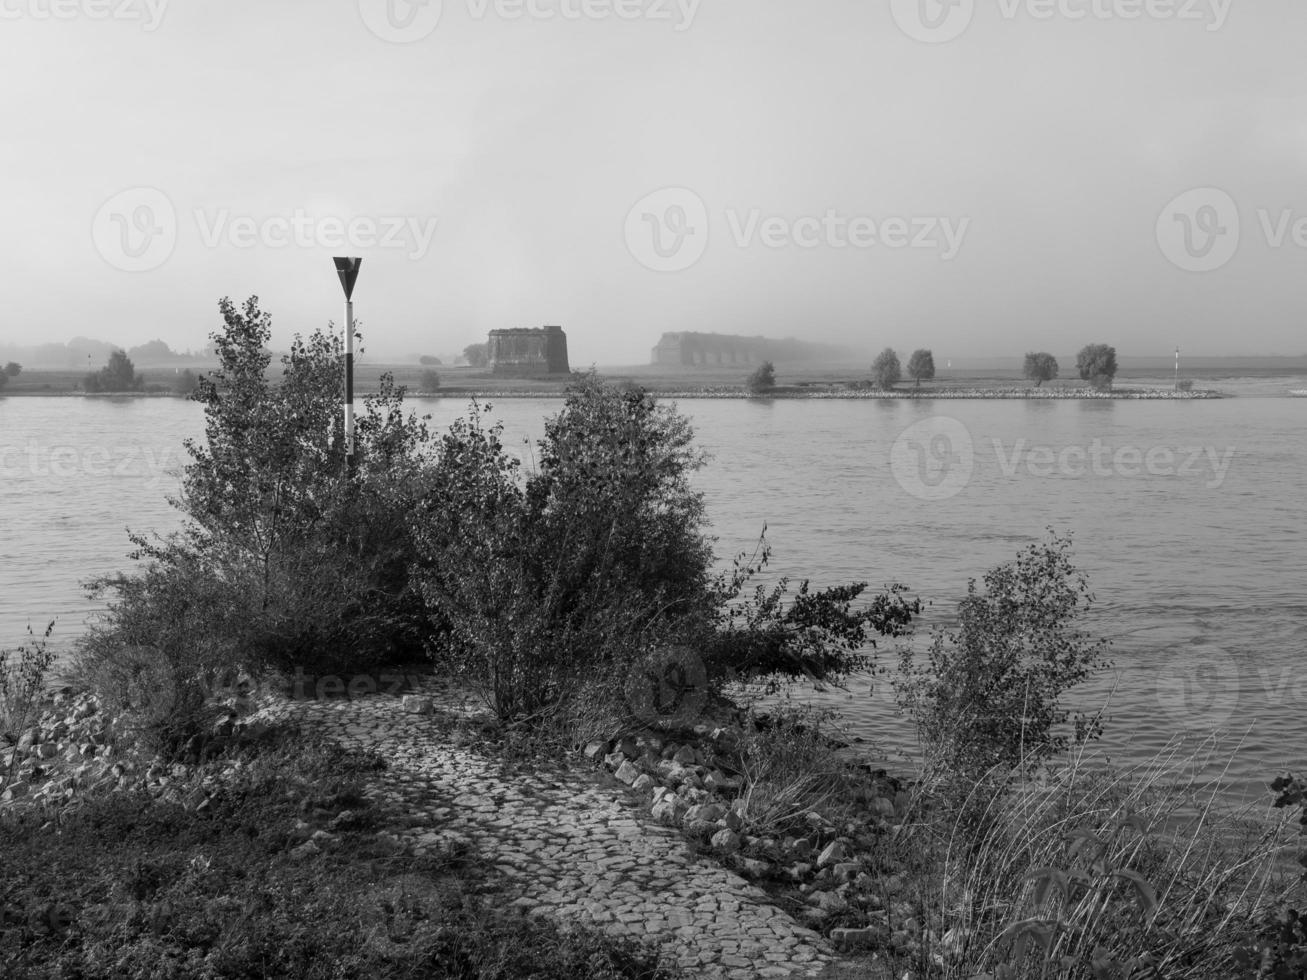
1187 515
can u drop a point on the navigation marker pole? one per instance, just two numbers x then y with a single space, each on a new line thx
1177 369
348 271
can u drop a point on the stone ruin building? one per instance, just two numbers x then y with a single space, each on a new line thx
528 351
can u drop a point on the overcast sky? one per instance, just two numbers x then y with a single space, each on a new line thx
1027 174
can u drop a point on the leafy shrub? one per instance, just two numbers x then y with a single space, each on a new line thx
921 365
990 694
1040 366
885 370
430 381
545 579
773 637
1096 363
284 560
568 584
116 376
762 380
1185 384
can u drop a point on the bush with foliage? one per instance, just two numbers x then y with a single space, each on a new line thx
885 370
1039 367
1096 363
762 380
477 355
545 578
13 369
117 376
563 585
773 637
430 381
284 560
921 366
989 696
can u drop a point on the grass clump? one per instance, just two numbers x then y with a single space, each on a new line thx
134 886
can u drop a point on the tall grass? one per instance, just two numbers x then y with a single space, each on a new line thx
1095 871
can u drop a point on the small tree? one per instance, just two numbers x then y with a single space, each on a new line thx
921 365
1040 367
1096 363
762 380
430 381
13 369
478 355
4 380
118 375
428 360
991 693
885 370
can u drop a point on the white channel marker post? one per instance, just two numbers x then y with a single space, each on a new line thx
348 271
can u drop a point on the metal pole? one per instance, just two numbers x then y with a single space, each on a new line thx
349 386
347 268
1177 369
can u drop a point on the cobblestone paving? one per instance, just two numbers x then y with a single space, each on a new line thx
570 845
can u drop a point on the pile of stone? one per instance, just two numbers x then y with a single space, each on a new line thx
72 747
829 867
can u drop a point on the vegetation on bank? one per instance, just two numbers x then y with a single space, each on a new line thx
577 596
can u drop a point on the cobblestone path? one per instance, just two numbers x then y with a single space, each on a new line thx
570 845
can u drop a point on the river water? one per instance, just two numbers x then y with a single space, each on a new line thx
1187 516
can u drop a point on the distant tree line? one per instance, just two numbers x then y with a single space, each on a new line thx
1096 363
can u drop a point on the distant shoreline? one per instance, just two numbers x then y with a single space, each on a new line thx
788 394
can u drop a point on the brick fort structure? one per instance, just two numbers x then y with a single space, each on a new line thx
528 351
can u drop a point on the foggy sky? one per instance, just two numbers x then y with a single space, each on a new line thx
1050 139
